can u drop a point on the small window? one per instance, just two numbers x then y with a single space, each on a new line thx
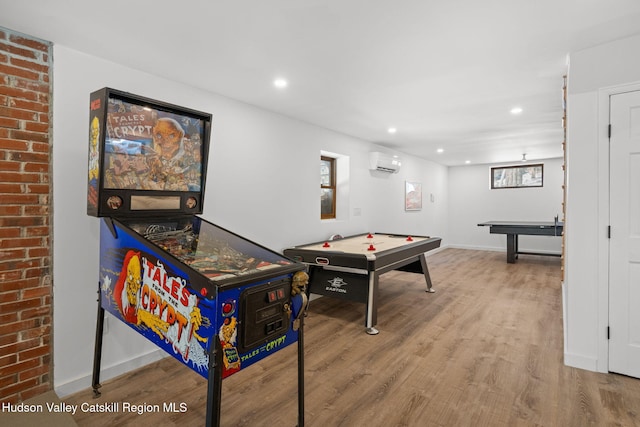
327 187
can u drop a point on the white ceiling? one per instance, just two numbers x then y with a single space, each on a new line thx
444 73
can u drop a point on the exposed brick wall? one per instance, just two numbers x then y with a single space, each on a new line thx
25 217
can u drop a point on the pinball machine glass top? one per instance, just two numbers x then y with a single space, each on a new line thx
145 156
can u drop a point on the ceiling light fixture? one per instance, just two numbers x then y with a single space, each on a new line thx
280 83
516 110
467 161
524 157
392 130
440 150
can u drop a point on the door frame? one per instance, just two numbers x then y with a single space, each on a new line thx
604 113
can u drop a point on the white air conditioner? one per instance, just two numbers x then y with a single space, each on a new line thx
384 162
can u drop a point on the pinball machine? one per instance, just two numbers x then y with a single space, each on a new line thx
212 299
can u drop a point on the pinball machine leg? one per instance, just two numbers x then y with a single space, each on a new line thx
214 385
97 351
301 373
425 271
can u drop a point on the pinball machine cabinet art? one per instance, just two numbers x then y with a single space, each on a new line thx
212 299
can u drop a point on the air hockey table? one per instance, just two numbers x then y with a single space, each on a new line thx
515 228
349 268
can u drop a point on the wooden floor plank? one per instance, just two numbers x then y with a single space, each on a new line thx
485 350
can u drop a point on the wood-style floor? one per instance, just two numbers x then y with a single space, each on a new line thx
485 350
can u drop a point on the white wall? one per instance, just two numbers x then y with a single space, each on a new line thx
472 201
261 183
594 74
388 190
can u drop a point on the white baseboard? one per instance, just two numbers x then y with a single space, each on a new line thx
107 373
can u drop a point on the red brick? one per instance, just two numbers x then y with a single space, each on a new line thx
23 325
36 127
9 296
10 210
33 44
18 114
15 95
20 221
26 199
19 177
39 189
9 258
20 243
23 156
9 123
43 252
10 188
17 367
33 353
38 372
29 65
8 318
21 305
7 340
40 147
36 292
20 386
11 166
10 232
11 146
22 265
41 271
16 71
33 89
38 210
10 359
34 167
36 106
17 284
26 53
36 231
29 136
37 332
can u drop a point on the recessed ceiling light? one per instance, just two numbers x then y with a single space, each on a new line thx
467 161
440 150
392 130
280 83
516 110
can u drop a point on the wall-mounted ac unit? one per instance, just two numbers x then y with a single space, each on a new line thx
384 162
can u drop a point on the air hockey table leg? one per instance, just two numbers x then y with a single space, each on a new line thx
372 305
427 276
512 248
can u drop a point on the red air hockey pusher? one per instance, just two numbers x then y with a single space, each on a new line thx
214 300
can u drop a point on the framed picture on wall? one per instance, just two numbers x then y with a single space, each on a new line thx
412 196
522 176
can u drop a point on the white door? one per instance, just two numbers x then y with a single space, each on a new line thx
624 256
